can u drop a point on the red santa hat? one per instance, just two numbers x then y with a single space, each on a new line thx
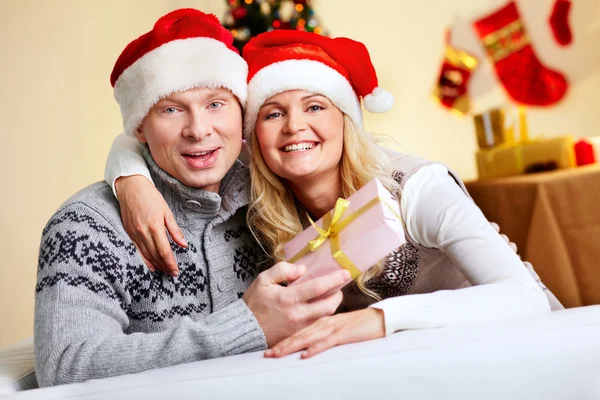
339 69
186 49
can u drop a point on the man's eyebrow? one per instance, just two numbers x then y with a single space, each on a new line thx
168 98
216 92
213 93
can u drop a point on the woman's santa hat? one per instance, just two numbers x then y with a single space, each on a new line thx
339 69
186 49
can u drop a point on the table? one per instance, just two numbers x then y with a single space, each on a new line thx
554 218
544 356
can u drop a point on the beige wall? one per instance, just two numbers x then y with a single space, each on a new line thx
58 120
59 115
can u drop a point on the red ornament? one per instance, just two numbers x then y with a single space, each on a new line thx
239 12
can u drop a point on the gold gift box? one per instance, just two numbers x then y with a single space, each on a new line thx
492 130
532 156
495 128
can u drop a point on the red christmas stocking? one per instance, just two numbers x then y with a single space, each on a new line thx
451 88
559 22
524 77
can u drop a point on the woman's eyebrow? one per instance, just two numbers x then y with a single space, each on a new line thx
311 95
270 103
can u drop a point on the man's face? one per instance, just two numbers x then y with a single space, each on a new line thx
195 135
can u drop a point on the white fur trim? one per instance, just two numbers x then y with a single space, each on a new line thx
380 100
312 76
177 66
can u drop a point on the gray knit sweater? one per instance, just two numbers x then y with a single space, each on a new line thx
100 312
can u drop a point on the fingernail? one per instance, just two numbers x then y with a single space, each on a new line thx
175 273
305 354
268 353
276 351
301 269
346 274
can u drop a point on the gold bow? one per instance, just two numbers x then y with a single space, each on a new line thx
332 226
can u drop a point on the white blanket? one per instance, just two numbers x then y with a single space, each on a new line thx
549 356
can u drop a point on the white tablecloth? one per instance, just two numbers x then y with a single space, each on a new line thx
549 356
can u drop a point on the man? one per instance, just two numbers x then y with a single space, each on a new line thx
99 311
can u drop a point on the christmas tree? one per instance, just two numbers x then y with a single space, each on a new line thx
248 18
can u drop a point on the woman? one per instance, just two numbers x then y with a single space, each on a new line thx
304 125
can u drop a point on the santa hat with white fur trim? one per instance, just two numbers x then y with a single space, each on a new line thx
186 49
338 68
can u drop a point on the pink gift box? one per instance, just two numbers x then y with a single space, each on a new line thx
371 236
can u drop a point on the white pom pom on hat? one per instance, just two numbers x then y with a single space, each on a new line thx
338 68
379 100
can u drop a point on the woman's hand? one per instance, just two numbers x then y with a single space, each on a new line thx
145 215
327 332
512 245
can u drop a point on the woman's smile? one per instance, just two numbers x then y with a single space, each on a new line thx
301 147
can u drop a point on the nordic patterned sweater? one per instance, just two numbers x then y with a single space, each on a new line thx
100 312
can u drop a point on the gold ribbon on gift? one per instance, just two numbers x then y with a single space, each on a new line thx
332 226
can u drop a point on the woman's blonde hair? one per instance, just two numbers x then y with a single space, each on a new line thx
273 214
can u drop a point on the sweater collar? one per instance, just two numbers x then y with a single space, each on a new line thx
192 206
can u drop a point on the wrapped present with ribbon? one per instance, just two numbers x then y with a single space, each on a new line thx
536 155
584 152
595 141
489 127
355 235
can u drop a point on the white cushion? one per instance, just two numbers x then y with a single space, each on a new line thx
17 371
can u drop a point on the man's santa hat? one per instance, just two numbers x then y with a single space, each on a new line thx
186 49
339 69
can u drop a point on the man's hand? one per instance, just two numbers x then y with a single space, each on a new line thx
145 216
282 311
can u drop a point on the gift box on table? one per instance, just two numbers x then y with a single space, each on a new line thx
355 235
595 141
532 156
584 152
489 127
497 127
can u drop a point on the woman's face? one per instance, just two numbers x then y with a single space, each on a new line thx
301 135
